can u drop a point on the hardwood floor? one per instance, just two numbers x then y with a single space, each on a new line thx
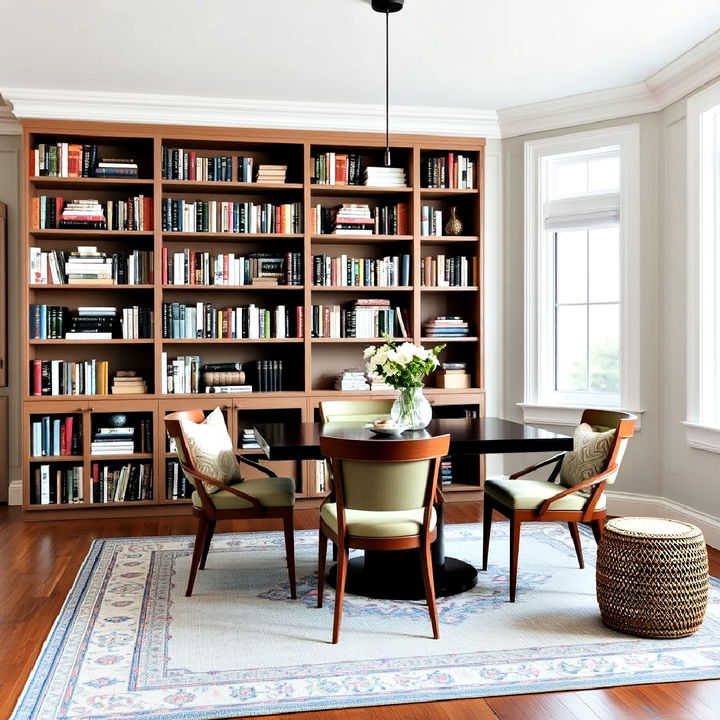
39 561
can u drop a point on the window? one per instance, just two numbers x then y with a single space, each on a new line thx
703 413
580 274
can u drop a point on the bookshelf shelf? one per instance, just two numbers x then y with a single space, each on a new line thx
310 364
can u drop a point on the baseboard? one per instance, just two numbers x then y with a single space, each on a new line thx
629 504
15 492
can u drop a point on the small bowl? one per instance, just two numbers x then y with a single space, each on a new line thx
396 430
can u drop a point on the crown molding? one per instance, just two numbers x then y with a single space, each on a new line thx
191 110
8 124
687 73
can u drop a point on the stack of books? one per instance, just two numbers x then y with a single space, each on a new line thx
351 379
248 440
452 375
385 177
352 219
83 215
128 382
113 441
93 322
224 378
116 167
379 385
446 326
88 266
446 471
271 173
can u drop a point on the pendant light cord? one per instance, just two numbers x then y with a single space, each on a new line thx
387 88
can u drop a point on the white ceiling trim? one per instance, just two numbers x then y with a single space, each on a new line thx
191 110
690 71
8 124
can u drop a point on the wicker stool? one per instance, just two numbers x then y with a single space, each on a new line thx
652 577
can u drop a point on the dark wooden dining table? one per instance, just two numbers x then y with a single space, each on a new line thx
397 574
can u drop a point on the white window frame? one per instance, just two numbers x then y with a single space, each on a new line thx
536 408
703 113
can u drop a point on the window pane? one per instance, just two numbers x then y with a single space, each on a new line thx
605 348
570 177
604 174
571 349
571 266
604 249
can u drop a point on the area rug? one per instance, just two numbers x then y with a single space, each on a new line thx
129 644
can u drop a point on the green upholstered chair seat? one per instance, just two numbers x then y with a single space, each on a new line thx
384 523
269 491
530 494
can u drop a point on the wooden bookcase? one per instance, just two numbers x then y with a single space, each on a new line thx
309 363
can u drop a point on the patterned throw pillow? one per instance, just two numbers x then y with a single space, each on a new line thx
211 449
590 454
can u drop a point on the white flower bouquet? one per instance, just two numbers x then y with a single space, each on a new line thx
401 366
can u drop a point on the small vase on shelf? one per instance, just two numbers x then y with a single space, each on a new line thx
411 408
454 226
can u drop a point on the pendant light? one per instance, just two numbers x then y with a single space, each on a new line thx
387 7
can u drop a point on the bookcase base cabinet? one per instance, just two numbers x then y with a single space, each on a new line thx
155 258
90 457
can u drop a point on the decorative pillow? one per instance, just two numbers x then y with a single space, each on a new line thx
211 449
590 454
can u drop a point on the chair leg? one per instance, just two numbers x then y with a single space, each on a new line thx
597 528
197 553
429 582
576 541
208 540
322 556
487 523
289 530
342 566
514 550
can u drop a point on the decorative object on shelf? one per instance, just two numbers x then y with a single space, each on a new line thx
454 226
117 420
387 7
404 367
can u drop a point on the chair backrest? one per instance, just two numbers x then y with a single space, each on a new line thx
624 426
357 410
175 431
382 474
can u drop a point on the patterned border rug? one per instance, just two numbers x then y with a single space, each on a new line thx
129 644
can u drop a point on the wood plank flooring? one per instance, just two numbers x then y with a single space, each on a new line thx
39 561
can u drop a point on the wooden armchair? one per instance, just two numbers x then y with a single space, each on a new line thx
574 491
383 498
220 493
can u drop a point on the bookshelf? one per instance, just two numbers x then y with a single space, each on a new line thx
233 271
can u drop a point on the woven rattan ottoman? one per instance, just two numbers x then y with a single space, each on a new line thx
652 577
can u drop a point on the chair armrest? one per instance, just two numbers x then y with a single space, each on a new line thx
588 482
202 478
256 465
554 459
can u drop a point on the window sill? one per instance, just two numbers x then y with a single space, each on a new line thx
703 437
566 414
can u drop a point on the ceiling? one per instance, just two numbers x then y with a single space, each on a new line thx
475 54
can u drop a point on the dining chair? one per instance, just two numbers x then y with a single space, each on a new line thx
361 410
382 498
573 493
206 455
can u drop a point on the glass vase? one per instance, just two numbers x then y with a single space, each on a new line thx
411 408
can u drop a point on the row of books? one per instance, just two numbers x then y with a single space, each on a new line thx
179 375
354 320
60 377
268 375
56 435
193 267
446 326
47 322
50 322
88 266
137 323
451 170
180 215
344 271
177 486
180 164
204 320
52 212
431 221
332 168
448 271
54 485
63 159
129 482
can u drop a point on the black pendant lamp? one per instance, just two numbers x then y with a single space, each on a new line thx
387 7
